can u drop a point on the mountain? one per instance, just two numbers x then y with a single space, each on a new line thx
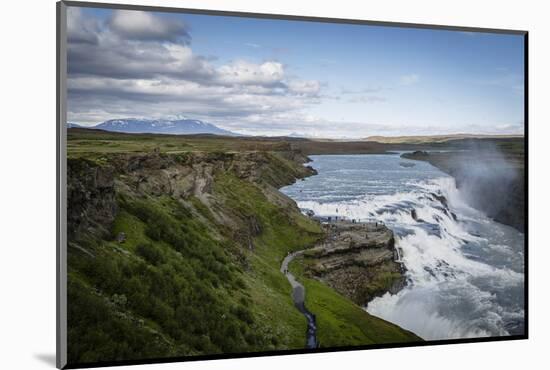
160 126
297 135
73 125
433 138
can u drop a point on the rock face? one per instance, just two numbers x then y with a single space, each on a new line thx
91 198
358 260
93 186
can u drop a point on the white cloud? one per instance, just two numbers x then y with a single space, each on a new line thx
242 72
138 65
128 72
140 25
410 79
303 87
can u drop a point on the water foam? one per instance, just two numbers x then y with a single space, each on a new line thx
457 274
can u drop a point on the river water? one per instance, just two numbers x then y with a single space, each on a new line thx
464 271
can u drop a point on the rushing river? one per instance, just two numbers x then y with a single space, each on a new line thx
464 271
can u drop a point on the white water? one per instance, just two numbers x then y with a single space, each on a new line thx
464 271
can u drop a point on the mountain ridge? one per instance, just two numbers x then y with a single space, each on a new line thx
158 126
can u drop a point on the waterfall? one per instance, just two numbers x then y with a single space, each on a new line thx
464 271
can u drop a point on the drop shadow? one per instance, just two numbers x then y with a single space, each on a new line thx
47 358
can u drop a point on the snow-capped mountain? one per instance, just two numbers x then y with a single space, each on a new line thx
160 126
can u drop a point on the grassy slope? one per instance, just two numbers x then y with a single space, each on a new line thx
340 322
172 288
280 234
181 285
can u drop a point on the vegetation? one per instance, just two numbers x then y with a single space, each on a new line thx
169 281
156 273
84 142
340 322
179 282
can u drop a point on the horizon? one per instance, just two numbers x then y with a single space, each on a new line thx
262 77
292 134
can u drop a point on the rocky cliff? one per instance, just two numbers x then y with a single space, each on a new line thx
359 260
94 185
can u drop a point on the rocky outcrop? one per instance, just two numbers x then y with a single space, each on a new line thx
358 260
91 198
93 185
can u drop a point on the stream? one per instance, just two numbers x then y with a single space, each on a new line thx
298 296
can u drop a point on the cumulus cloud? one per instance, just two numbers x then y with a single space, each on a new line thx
146 26
81 30
118 58
139 64
242 72
305 87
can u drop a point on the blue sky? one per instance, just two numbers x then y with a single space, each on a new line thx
274 77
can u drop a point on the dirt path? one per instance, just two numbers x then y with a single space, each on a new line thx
298 296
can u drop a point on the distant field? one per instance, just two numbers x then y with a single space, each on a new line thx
434 138
83 142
